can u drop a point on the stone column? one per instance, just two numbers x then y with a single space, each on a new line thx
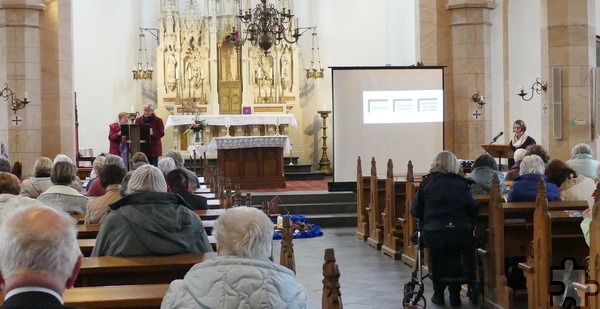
57 100
20 68
471 72
568 42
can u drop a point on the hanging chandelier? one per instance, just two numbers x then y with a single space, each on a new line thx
313 72
138 71
264 26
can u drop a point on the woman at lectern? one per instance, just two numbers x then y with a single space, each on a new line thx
114 134
520 139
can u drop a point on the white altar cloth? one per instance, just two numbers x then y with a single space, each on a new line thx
237 142
200 150
234 120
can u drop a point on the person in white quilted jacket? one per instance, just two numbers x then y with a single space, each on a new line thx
242 276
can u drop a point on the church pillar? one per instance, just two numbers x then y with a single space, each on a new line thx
568 43
471 72
20 68
58 107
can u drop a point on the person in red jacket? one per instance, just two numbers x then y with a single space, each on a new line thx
114 134
157 130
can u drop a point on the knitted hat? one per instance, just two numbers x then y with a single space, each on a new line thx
147 178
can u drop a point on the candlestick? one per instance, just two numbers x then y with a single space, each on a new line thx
324 163
25 95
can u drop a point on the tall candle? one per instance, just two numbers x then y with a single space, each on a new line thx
324 107
132 110
25 95
227 121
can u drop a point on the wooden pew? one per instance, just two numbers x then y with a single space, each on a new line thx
510 232
209 214
409 223
114 270
331 298
87 245
363 187
121 296
395 199
286 255
556 235
87 231
376 207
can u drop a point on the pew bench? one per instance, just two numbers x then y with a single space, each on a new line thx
115 270
88 231
87 245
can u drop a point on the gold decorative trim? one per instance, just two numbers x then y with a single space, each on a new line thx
268 109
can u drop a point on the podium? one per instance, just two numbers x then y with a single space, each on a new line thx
136 134
498 151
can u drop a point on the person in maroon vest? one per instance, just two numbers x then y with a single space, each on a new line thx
114 134
157 130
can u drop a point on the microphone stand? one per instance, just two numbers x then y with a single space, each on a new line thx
490 144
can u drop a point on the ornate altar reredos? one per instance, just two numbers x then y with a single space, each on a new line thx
199 71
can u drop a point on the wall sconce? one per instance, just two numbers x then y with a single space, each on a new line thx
477 98
15 103
537 87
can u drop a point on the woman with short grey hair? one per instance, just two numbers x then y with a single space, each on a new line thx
582 161
61 196
445 162
524 187
242 276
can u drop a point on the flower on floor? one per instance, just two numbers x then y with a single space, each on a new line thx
300 228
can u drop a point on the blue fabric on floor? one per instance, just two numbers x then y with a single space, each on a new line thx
314 232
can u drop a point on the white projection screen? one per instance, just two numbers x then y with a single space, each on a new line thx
387 113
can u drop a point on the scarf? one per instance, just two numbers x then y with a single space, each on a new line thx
517 142
148 119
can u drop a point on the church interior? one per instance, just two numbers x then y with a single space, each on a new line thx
68 68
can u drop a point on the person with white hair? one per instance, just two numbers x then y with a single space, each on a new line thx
61 196
444 197
582 161
39 257
165 165
514 170
153 149
40 181
242 276
179 163
524 187
149 221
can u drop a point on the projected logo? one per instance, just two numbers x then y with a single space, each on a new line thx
403 106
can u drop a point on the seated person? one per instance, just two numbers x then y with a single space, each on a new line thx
9 187
524 187
484 168
149 221
96 165
61 195
5 165
539 151
582 161
95 188
40 182
242 276
77 184
179 163
177 180
110 177
443 197
39 257
166 164
572 187
138 159
514 170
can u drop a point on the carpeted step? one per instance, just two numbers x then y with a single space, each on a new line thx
304 176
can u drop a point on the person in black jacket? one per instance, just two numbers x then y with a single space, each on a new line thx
520 139
177 180
446 210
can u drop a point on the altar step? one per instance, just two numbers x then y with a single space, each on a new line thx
326 209
291 172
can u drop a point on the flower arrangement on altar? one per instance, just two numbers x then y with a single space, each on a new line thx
300 228
197 126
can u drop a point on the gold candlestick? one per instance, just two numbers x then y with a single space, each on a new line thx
324 163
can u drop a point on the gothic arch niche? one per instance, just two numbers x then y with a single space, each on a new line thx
229 79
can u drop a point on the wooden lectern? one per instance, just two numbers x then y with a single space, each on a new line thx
136 134
498 151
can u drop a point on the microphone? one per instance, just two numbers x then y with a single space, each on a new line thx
497 136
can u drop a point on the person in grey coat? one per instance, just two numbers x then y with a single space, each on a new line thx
148 221
483 171
179 163
61 195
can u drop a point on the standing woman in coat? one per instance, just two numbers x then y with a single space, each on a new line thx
153 150
445 197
